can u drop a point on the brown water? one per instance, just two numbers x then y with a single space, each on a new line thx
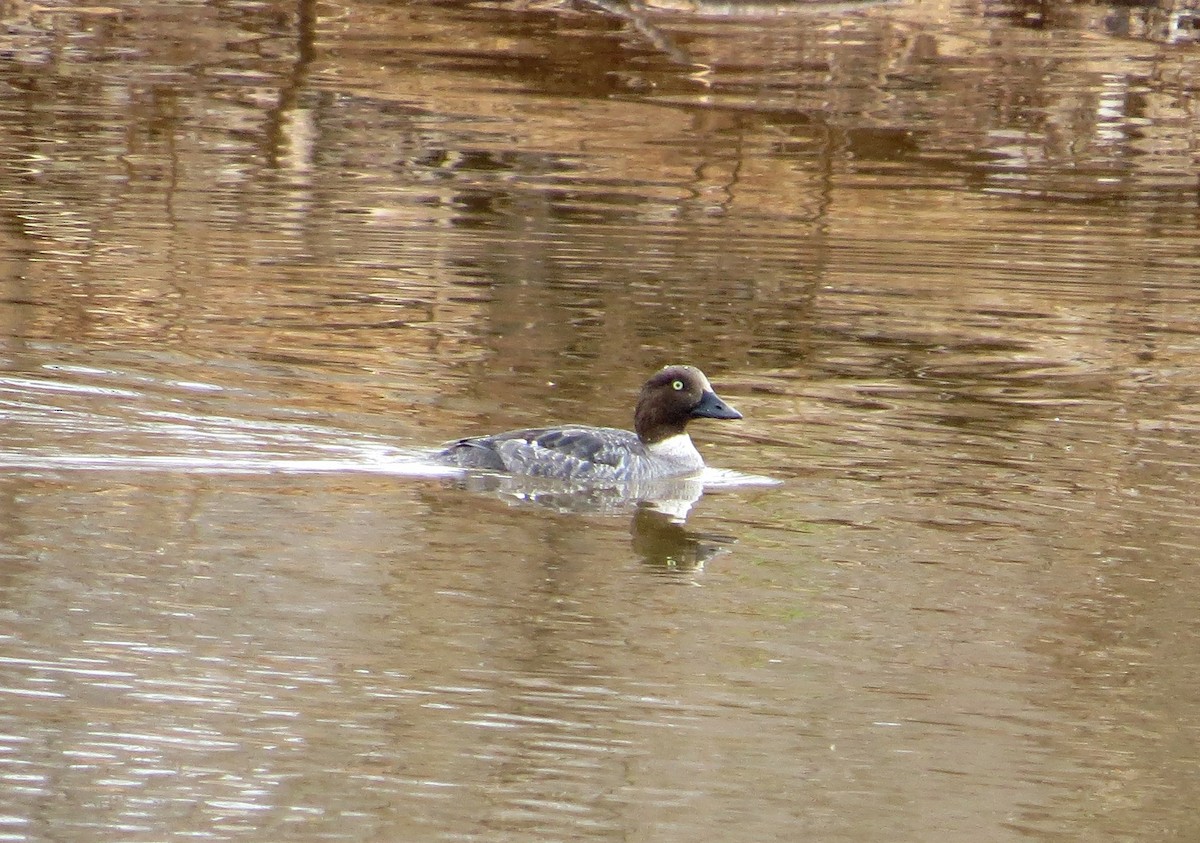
256 256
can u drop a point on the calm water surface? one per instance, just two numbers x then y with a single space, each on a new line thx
942 255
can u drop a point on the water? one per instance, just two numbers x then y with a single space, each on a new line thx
941 256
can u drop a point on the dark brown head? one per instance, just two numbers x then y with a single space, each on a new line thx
671 398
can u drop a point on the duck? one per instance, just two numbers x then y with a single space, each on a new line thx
658 447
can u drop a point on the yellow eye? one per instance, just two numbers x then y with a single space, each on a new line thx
676 385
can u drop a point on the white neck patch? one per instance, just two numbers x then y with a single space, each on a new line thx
677 450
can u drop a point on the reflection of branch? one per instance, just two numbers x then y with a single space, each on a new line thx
635 14
638 13
289 94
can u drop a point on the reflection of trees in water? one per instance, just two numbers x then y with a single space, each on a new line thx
1169 22
654 181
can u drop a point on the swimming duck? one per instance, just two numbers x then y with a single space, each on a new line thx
658 447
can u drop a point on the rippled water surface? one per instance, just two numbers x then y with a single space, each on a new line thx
258 258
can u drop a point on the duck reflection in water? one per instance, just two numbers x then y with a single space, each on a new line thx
665 543
673 498
659 511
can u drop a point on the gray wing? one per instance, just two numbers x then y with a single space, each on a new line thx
563 452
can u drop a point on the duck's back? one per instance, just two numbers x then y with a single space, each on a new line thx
566 453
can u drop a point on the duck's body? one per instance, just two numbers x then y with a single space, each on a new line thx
660 448
576 452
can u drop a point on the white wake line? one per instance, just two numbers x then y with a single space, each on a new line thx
394 465
232 464
724 478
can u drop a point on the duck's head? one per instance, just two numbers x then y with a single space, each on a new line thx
672 397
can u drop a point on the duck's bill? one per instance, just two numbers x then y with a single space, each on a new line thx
712 407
